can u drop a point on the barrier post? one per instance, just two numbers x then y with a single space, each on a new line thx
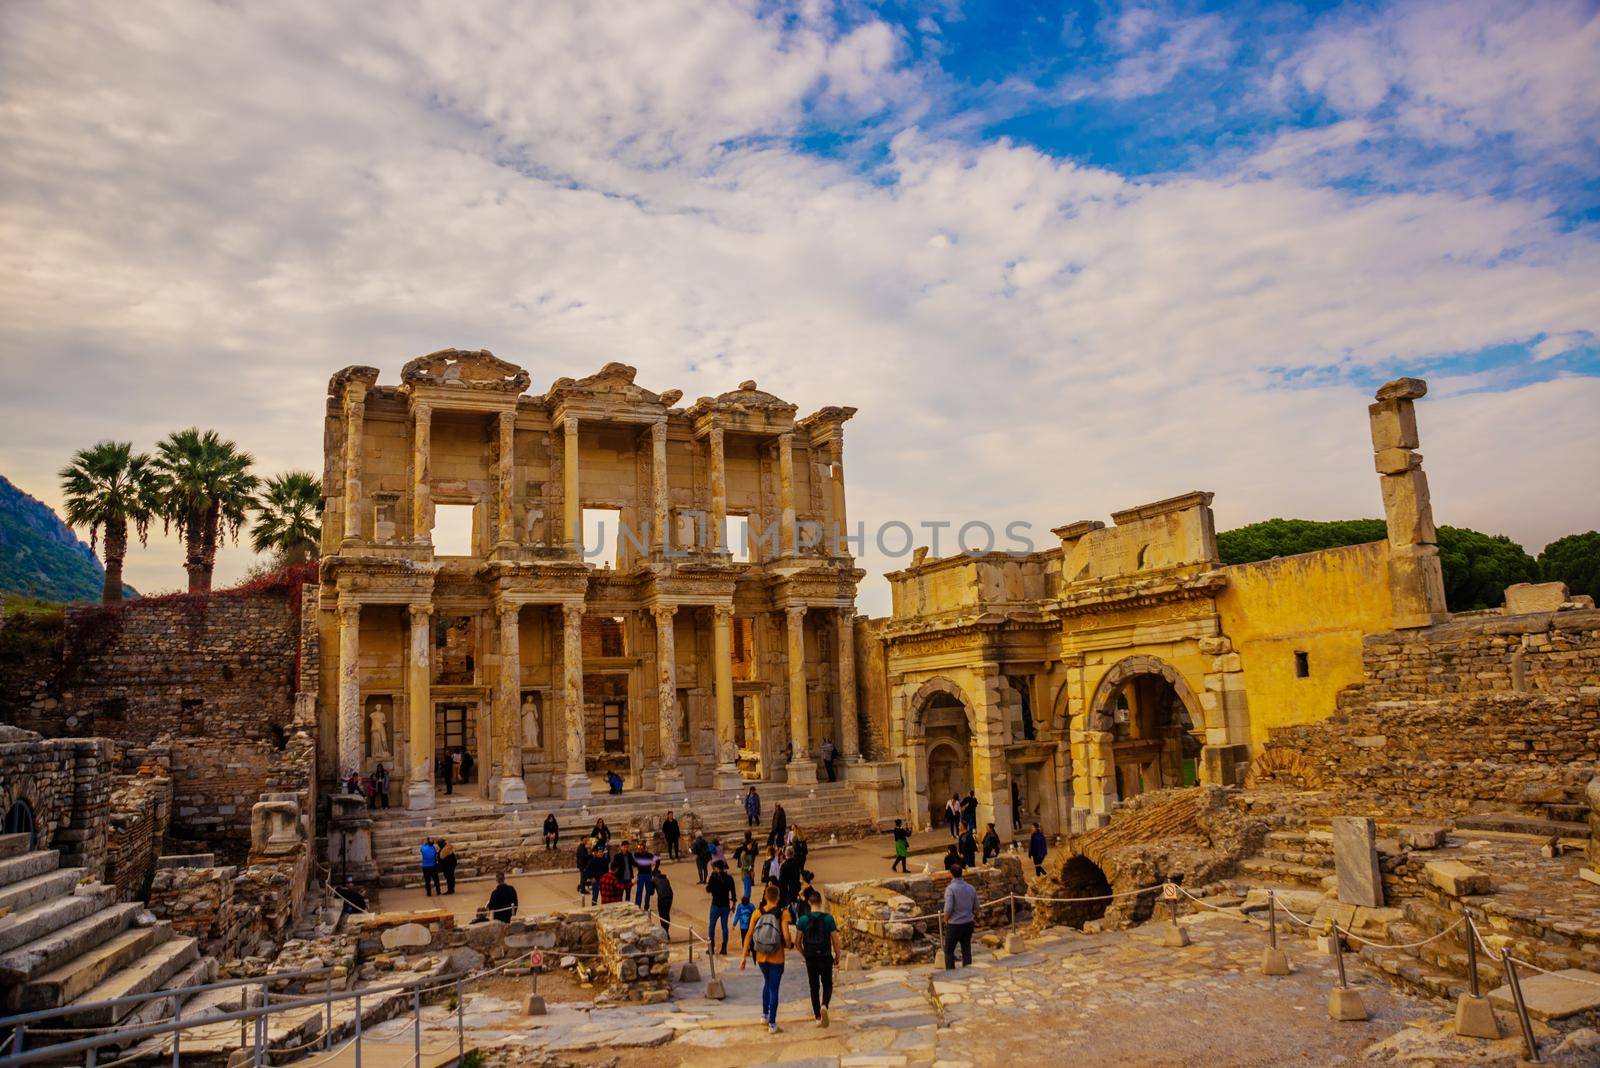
327 1020
1273 961
461 1029
1513 981
1343 1002
1474 1014
416 1026
177 1036
358 1031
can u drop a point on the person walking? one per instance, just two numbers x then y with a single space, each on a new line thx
952 815
502 899
747 854
779 834
797 842
663 890
902 847
447 772
991 844
701 849
644 868
768 935
583 866
789 877
720 887
969 812
819 944
952 857
828 754
598 866
773 866
960 916
447 865
670 833
1016 807
552 832
1037 848
430 868
752 808
380 784
967 845
741 917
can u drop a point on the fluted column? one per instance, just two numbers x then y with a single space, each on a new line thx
421 476
577 780
786 491
849 729
662 535
506 529
419 731
670 778
719 491
722 654
355 408
509 787
841 524
572 503
350 749
802 768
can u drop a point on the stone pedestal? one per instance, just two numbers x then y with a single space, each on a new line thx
577 786
419 795
1274 962
801 772
1345 1004
1355 861
1475 1018
350 839
670 781
727 777
511 790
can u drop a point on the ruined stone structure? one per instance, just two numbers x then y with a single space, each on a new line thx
672 652
1127 658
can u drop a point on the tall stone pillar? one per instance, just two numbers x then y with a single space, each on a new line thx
508 786
802 768
572 502
662 535
421 476
849 727
786 535
350 748
1416 578
577 777
505 480
355 408
419 703
719 491
841 524
670 777
728 777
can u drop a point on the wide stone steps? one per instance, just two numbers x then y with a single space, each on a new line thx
72 980
66 943
150 972
46 886
26 866
38 920
1262 868
14 845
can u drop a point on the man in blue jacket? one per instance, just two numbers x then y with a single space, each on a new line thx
1037 848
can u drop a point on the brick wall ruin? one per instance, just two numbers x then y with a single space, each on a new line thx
141 811
1485 711
876 915
66 782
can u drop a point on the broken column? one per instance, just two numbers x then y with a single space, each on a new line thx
1416 580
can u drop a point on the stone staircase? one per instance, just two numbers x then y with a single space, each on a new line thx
1300 859
68 943
476 827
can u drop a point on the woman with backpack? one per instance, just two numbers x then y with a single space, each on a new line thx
769 933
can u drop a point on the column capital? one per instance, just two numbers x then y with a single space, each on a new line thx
504 610
663 612
421 410
786 438
714 433
658 429
508 417
569 424
722 613
349 612
420 612
572 614
795 613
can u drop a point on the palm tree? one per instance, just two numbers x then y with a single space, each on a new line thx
207 492
288 511
110 486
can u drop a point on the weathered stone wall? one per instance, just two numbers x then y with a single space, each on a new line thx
141 810
67 784
201 901
1478 713
877 916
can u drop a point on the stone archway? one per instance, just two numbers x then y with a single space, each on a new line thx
1146 721
940 739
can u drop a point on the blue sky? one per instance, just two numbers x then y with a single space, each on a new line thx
1063 258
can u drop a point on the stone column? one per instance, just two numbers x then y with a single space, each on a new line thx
355 408
670 777
662 535
419 730
728 777
719 491
421 476
1416 577
507 714
786 535
802 768
506 530
572 503
849 728
577 778
841 525
351 750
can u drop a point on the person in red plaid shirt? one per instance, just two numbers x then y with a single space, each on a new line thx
613 887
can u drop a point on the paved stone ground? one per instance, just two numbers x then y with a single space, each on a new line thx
1116 998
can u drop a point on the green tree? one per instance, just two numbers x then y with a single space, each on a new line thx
1478 567
206 492
110 487
1289 537
1575 560
288 514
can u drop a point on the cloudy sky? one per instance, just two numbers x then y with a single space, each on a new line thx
1064 258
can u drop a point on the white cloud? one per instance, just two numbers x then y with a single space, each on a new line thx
206 210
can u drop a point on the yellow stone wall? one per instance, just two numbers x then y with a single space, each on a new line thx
1320 603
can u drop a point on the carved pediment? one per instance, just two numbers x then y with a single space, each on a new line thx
612 384
367 376
747 398
477 369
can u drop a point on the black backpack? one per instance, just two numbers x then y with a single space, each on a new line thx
818 940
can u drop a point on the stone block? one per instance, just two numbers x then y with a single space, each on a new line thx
1457 879
1355 861
1395 461
1408 509
1274 962
1553 996
1475 1018
1394 425
1424 836
407 936
1524 597
715 991
1345 1005
533 1005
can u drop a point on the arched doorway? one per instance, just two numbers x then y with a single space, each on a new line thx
1148 713
941 713
19 820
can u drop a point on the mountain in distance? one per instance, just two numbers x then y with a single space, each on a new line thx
41 557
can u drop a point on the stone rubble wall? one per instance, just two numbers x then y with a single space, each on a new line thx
1488 712
875 915
67 783
141 810
201 903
